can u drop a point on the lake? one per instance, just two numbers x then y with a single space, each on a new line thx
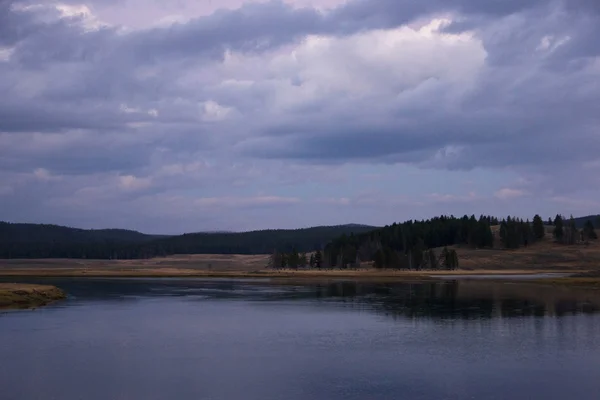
234 339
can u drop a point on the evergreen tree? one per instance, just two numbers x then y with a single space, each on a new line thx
550 221
293 259
318 259
504 232
450 258
526 232
573 231
312 261
379 259
418 254
275 260
283 259
432 260
588 231
558 228
454 259
483 236
445 258
539 231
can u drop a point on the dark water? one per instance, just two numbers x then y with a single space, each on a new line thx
224 340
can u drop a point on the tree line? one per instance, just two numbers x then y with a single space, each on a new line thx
566 231
417 245
52 241
409 245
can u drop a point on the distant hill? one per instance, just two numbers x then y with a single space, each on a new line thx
258 242
594 218
53 241
45 233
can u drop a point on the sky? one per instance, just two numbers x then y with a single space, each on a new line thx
195 115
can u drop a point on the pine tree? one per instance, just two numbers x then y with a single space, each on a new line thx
418 254
558 228
283 259
444 258
550 221
454 259
312 261
588 231
318 259
504 233
293 259
433 262
572 231
379 259
275 260
483 234
538 227
526 232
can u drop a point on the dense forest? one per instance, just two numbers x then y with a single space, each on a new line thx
52 241
425 244
46 233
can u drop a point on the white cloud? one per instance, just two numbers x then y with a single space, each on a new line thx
129 110
550 43
509 193
6 53
394 62
255 201
213 111
133 183
43 175
83 13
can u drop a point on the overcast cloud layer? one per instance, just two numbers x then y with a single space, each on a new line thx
169 117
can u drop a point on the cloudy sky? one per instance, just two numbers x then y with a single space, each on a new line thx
191 115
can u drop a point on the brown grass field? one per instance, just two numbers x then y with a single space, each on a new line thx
544 256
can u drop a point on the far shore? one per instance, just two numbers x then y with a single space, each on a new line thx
170 272
580 263
576 279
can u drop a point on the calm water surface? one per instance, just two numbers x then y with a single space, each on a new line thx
227 340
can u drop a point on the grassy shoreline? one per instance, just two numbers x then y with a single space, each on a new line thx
169 272
17 295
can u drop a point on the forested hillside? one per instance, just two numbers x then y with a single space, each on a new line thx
409 245
51 241
46 233
413 244
594 219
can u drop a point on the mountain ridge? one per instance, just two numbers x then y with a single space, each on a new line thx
55 241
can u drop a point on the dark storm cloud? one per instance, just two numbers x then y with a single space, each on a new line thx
253 27
363 14
13 26
18 116
136 110
538 91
